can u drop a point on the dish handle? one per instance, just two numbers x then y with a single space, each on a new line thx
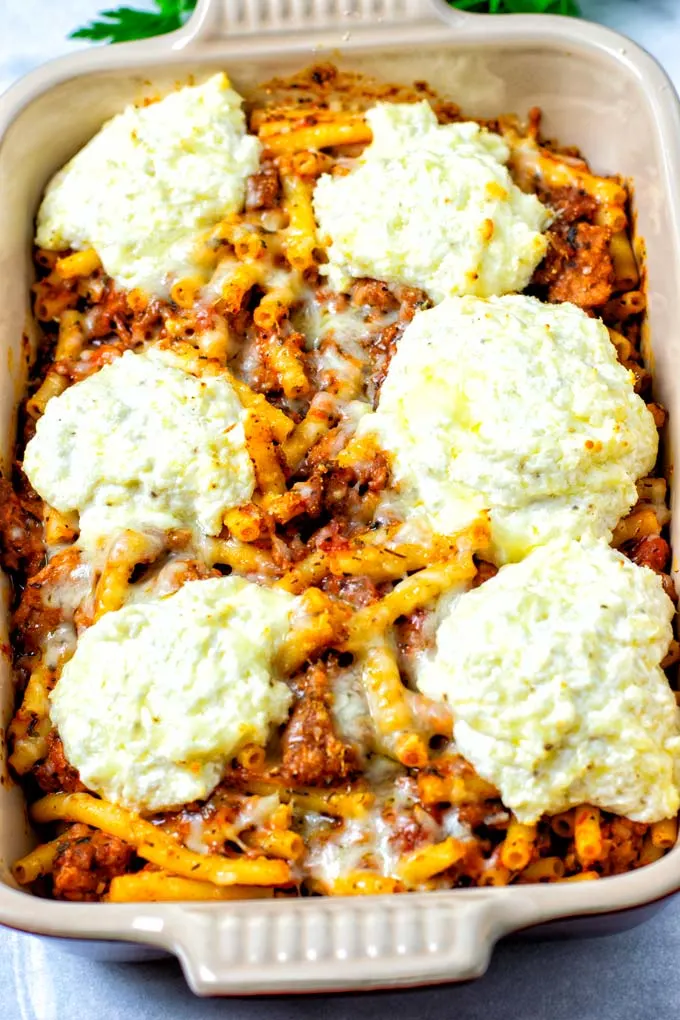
357 943
215 19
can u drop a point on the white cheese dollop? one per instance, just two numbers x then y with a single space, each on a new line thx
142 444
430 206
517 407
551 669
158 697
148 184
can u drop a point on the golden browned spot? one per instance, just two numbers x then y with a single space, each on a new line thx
495 190
487 230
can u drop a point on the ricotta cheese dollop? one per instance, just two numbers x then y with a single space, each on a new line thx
148 184
516 407
551 669
158 697
142 444
430 206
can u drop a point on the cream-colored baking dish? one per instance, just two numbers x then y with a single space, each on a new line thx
598 91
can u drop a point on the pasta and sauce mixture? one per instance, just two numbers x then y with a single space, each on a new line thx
335 530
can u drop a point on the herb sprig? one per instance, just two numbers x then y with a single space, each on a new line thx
569 7
123 24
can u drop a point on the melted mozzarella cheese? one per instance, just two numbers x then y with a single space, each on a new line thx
142 444
516 407
430 206
150 182
551 669
351 716
372 842
158 697
65 597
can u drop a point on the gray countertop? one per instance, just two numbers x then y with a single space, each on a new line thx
633 975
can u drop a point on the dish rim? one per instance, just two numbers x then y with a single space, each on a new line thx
456 930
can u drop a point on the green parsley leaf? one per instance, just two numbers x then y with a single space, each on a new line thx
124 24
569 7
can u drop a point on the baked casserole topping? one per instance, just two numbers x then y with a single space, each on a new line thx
336 529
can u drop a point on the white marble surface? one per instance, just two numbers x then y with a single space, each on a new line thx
633 975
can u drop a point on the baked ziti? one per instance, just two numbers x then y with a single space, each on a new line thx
336 530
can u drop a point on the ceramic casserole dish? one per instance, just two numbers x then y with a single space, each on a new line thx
598 91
